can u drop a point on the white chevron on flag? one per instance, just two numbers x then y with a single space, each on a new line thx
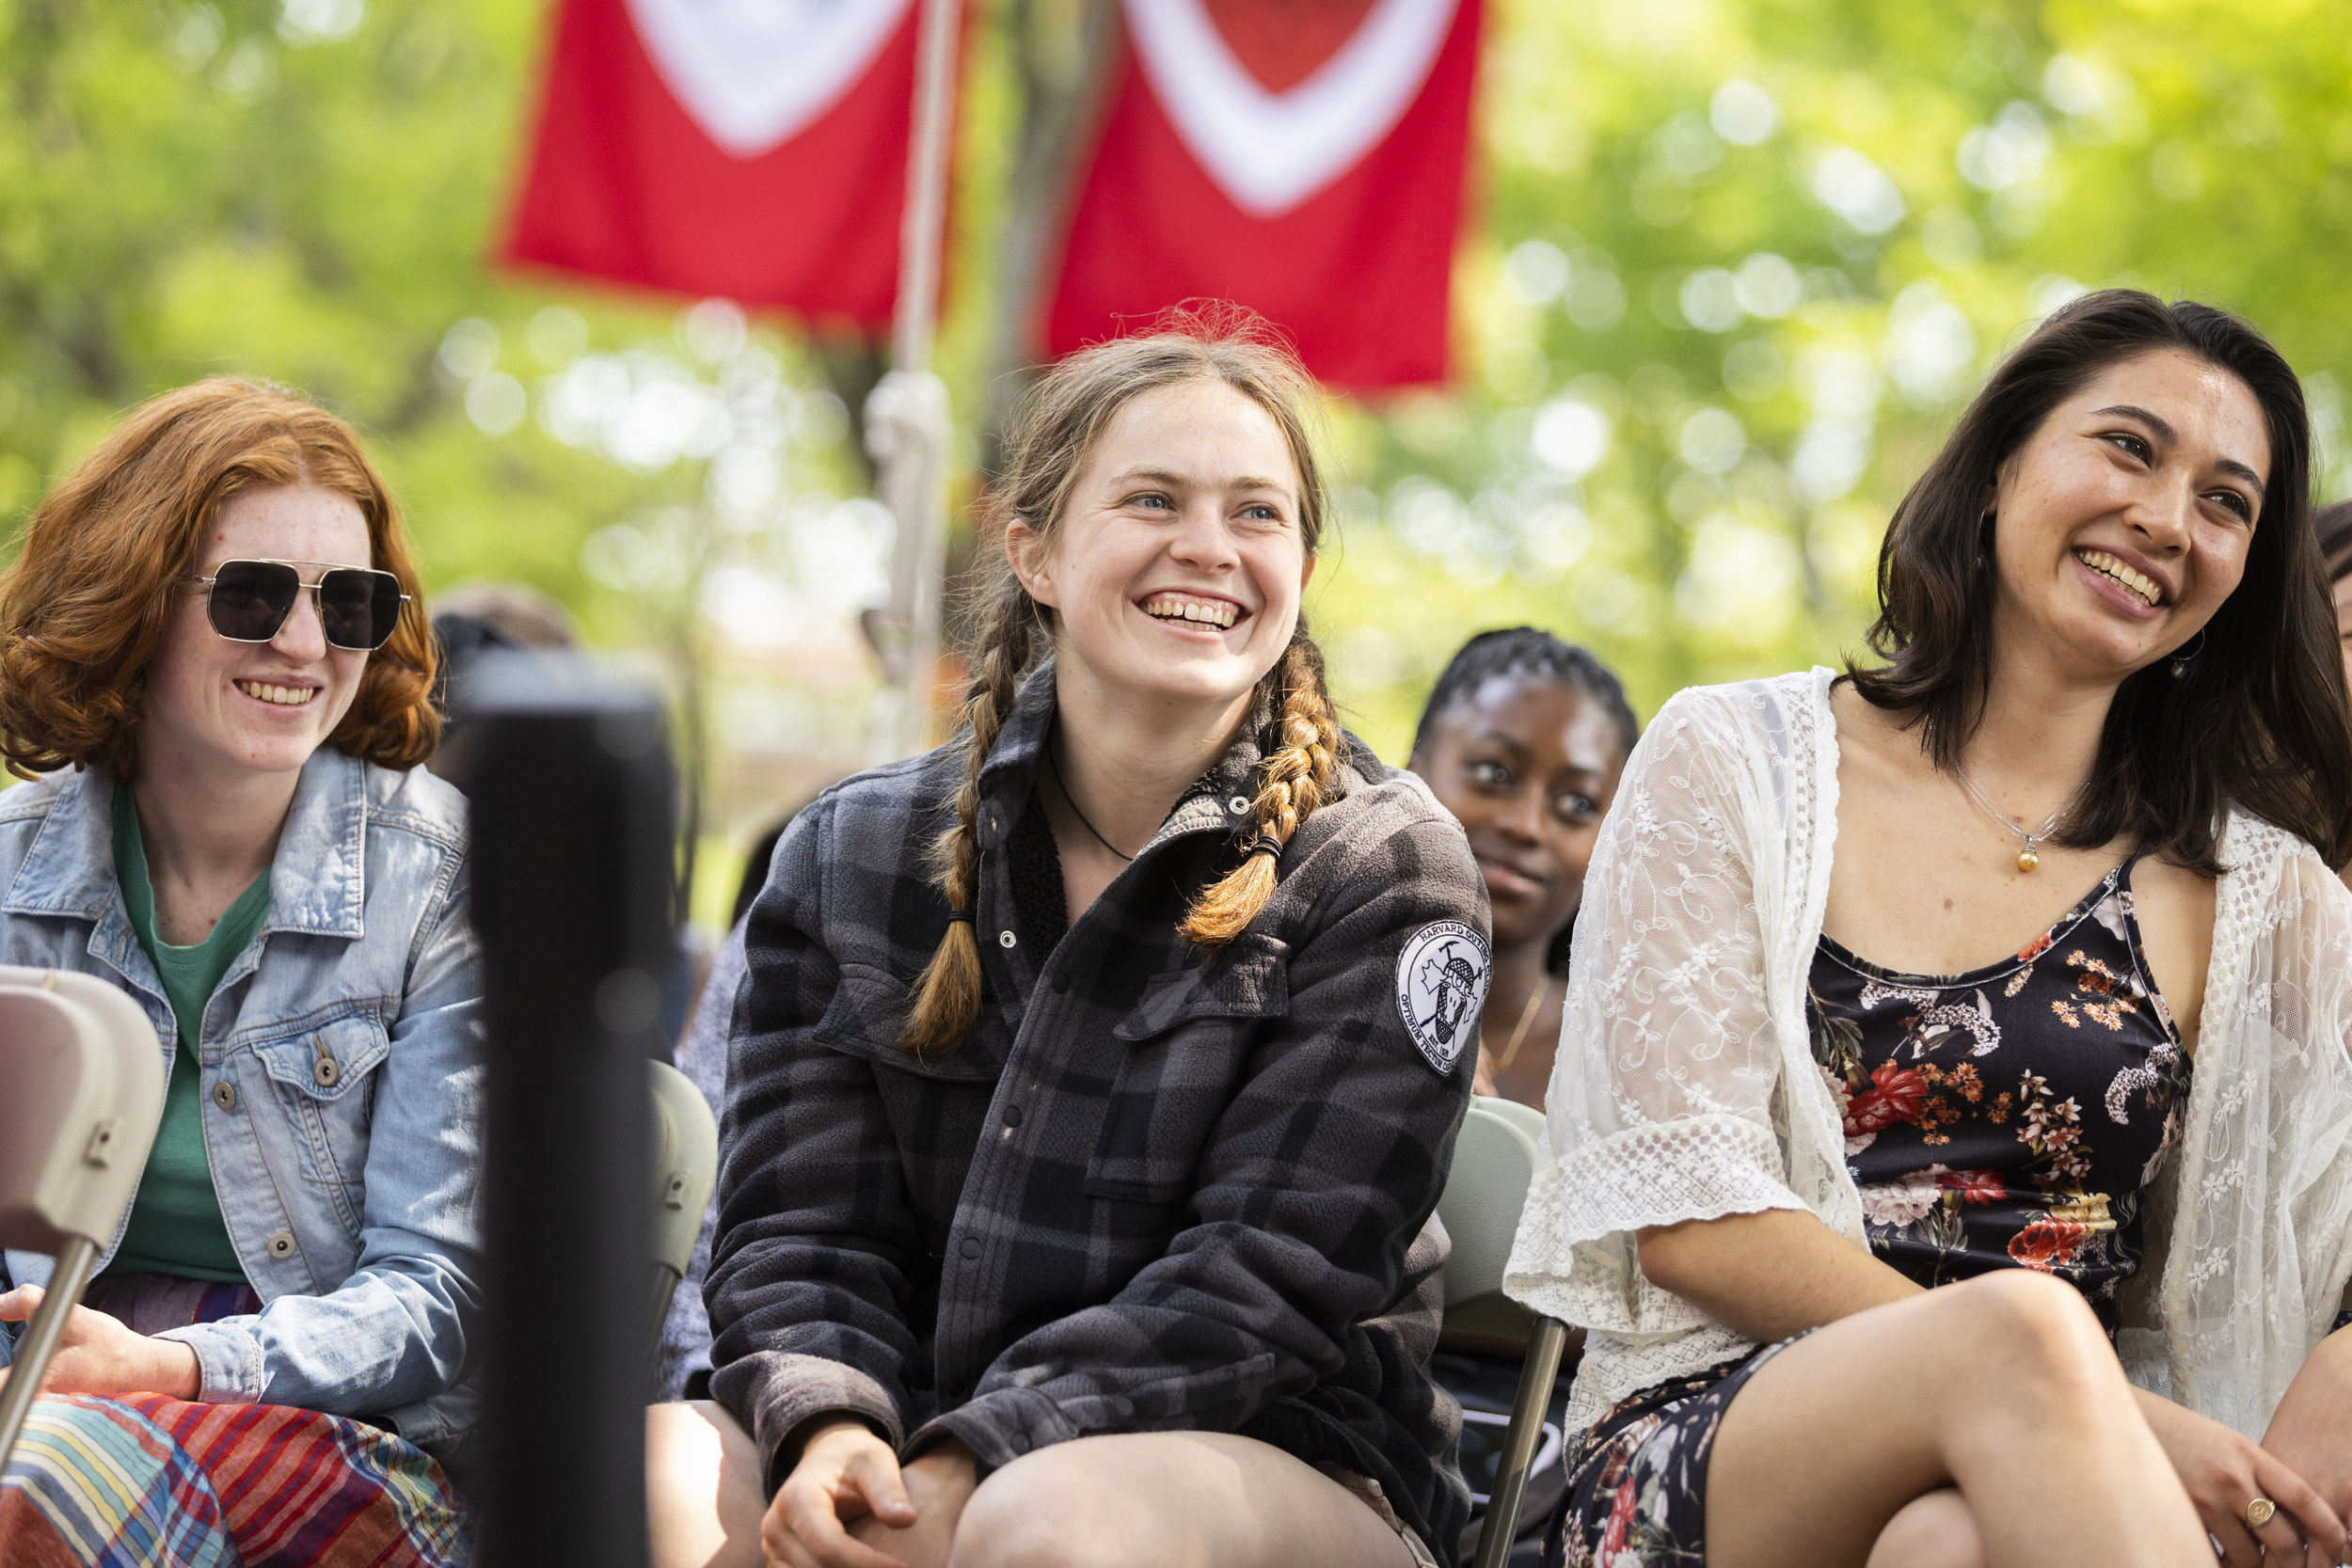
1271 151
754 74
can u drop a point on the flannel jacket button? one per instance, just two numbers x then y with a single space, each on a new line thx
1062 982
971 1247
1238 804
1124 1405
1018 1442
225 1095
282 1244
1005 938
1012 1116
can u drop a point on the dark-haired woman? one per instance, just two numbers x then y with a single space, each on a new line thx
1951 1039
212 667
1524 739
1094 1077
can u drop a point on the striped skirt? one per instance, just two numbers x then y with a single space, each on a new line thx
145 1482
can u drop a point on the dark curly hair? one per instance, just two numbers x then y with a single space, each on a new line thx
83 609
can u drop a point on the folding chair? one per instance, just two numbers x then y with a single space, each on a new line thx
686 1166
81 1091
1494 1161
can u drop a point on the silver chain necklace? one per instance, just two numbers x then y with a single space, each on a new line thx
2029 853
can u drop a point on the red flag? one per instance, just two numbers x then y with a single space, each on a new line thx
1306 160
757 153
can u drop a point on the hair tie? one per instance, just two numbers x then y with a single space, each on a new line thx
1265 844
955 916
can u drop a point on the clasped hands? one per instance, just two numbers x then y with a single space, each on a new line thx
99 1354
850 1504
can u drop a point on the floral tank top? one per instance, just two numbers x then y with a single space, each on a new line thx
2010 1116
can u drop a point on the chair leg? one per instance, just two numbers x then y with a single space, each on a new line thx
31 1362
1542 1364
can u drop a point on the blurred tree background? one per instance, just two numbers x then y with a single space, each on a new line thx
1733 263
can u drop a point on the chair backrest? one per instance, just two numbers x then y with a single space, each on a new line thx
81 1091
686 1166
1494 1162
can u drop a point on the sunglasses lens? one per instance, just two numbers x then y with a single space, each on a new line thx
359 609
251 599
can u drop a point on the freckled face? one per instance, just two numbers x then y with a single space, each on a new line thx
2124 521
1528 766
260 705
1177 571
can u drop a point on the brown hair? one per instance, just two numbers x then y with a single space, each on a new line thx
2257 718
1052 434
84 606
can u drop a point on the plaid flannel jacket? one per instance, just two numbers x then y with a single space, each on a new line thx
1152 1191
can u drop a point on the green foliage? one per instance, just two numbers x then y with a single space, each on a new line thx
1708 330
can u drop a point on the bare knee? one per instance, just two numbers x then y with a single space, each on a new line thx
1935 1530
2036 1329
1038 1512
702 1497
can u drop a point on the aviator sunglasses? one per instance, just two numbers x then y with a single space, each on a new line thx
359 609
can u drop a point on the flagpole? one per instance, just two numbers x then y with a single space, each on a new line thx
906 417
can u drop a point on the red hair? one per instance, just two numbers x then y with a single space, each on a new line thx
83 609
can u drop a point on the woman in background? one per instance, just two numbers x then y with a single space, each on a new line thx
1523 740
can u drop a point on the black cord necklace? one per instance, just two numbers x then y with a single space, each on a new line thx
1064 790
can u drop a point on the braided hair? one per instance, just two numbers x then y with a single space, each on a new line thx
1535 652
1530 650
1053 432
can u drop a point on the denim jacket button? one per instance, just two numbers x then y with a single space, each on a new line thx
225 1095
1005 938
1238 804
327 1072
282 1244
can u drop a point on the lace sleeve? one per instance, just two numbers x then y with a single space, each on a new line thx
2257 1220
1660 1104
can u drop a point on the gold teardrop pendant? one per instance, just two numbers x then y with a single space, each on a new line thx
2026 858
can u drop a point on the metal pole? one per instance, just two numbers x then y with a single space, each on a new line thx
1544 1347
906 416
41 1338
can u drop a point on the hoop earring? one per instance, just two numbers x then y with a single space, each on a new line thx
2179 661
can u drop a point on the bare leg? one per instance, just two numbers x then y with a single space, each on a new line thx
1170 1499
2003 1387
703 1492
1936 1530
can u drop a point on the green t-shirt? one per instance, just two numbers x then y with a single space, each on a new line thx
176 1226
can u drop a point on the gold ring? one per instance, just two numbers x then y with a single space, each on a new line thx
2261 1512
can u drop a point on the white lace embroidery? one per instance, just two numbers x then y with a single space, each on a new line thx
1685 1089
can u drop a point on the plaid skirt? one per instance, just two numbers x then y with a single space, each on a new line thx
145 1482
1636 1477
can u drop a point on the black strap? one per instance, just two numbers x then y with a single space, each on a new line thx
1265 844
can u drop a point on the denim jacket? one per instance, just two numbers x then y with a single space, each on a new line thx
342 1083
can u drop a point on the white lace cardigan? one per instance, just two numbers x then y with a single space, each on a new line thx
1685 1087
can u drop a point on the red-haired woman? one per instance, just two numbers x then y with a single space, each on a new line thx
214 670
1095 1077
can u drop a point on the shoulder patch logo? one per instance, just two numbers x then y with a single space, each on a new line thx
1440 985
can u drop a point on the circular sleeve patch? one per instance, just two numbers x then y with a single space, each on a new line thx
1440 985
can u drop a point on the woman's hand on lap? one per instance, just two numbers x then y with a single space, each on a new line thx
939 1483
846 1476
2223 1471
97 1354
2311 1429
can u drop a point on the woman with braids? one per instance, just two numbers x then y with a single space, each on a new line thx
1952 1122
1524 739
1095 1076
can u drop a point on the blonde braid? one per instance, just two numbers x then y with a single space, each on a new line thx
1294 781
947 996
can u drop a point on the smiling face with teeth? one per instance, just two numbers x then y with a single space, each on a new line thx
2123 522
1175 573
216 708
